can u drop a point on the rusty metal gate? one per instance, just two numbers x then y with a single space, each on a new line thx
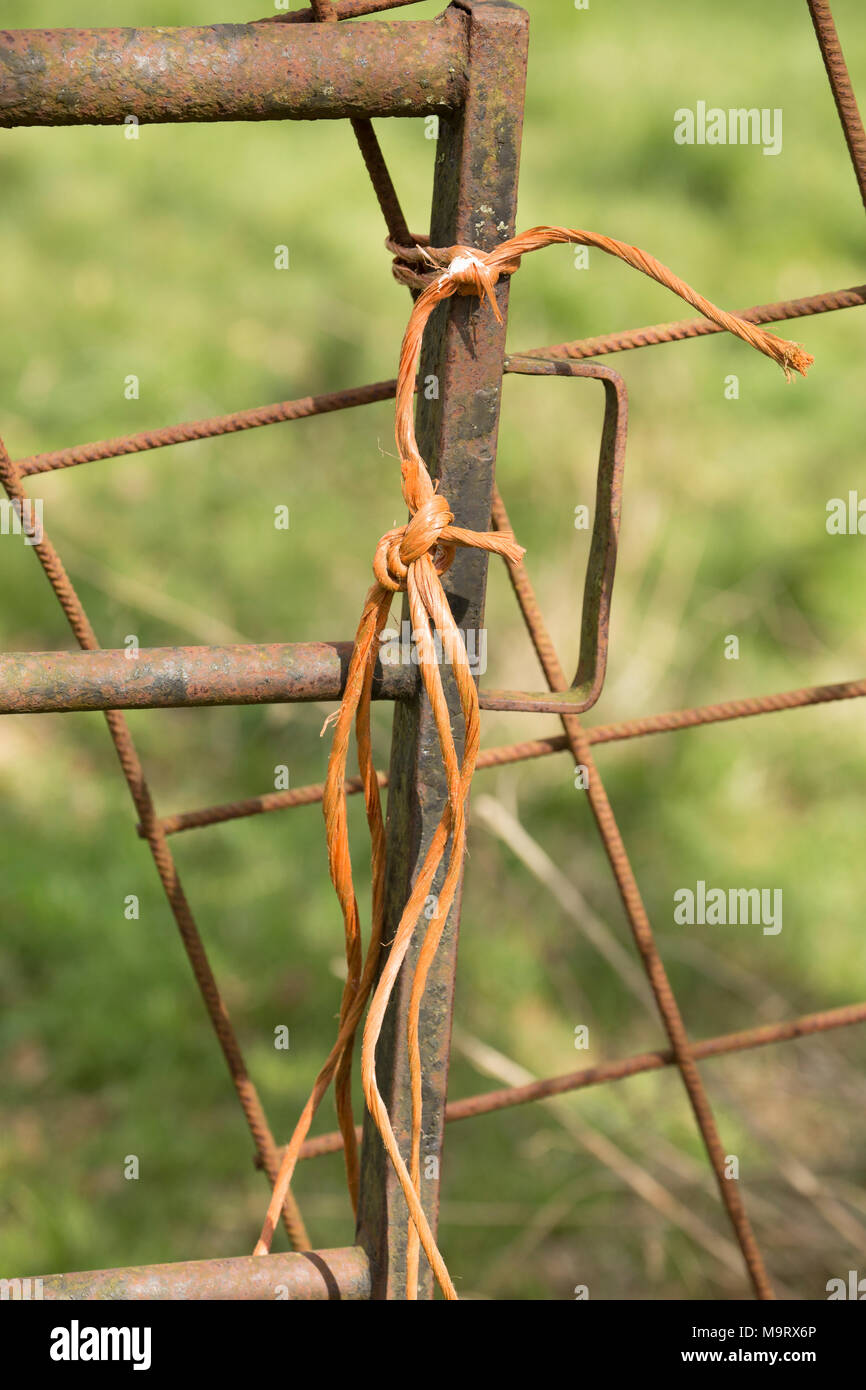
468 68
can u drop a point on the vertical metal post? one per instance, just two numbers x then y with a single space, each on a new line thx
474 203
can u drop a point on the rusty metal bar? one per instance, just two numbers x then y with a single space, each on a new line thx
474 198
692 718
279 413
840 85
601 565
490 1101
743 1041
310 1275
305 406
169 677
232 72
640 926
342 9
656 333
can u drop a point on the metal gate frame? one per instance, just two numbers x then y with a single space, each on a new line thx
467 67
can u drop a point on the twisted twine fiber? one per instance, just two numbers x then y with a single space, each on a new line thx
412 559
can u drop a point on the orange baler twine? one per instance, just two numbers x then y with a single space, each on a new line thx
412 559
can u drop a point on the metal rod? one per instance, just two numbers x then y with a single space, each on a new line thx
474 200
278 413
656 333
310 1275
342 9
232 72
281 411
489 1101
601 566
840 85
169 677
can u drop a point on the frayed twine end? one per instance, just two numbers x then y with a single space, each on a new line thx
796 359
510 548
791 357
331 719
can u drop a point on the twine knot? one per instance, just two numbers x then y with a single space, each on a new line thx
470 270
424 535
473 275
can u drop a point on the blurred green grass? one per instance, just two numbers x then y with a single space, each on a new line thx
155 257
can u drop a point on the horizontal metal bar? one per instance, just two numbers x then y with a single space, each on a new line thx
489 1101
343 9
280 412
305 406
294 672
232 72
309 1275
167 677
692 718
656 333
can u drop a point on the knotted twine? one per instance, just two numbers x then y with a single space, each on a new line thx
412 559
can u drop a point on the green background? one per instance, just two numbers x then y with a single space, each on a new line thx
156 257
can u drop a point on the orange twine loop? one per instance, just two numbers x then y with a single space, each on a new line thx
424 535
412 559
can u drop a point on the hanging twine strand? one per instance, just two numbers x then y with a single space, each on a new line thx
411 559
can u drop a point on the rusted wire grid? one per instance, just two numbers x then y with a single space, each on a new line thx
10 476
497 39
652 724
681 1052
657 723
638 920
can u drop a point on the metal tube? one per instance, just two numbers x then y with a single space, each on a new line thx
232 72
309 1275
167 677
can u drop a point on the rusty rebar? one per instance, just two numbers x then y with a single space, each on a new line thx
342 9
638 921
281 412
258 805
487 1102
695 717
840 85
325 12
278 413
658 333
165 866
